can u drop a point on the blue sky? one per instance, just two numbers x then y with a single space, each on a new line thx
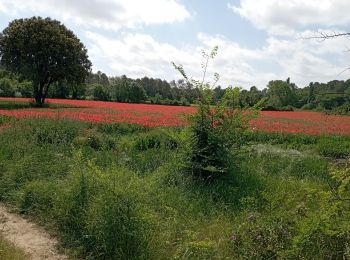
258 40
212 18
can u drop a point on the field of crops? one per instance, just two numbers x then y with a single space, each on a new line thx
159 115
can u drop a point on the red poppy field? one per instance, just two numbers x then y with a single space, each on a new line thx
160 115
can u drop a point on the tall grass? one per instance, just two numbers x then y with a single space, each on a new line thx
121 192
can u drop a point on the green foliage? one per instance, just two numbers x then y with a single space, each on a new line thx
98 213
215 130
279 198
326 234
304 221
156 140
119 128
280 94
343 109
25 89
331 96
138 94
20 104
96 140
231 98
334 148
65 89
11 85
36 198
61 132
6 88
115 225
100 93
127 90
43 51
331 146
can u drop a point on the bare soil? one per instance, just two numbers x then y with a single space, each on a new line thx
28 237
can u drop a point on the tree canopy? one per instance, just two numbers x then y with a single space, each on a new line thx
281 94
43 51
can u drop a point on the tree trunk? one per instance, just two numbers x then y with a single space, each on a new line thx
40 93
39 99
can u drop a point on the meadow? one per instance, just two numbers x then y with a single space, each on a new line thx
312 123
109 180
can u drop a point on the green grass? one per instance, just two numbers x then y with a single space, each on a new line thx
10 252
331 146
118 191
13 105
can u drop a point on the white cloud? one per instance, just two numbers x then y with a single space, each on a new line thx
138 55
3 9
309 60
135 55
284 17
302 60
106 14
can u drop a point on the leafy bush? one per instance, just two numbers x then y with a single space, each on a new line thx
343 109
326 233
99 141
114 228
48 132
308 106
215 130
36 197
97 213
335 147
100 93
156 139
7 88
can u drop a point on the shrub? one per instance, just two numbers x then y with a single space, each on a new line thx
308 106
156 139
7 87
99 141
325 233
36 197
54 132
98 214
292 219
215 130
343 109
335 147
114 228
100 93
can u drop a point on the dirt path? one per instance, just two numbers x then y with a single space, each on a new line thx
33 240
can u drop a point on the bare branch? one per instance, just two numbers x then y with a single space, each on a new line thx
324 36
344 71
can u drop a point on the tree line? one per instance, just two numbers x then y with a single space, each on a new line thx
333 96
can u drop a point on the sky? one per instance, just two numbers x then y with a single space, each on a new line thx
258 40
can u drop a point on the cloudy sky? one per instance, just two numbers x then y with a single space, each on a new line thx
259 40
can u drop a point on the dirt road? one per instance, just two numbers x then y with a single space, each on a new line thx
33 240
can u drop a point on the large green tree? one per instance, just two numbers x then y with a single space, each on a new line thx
281 94
43 51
